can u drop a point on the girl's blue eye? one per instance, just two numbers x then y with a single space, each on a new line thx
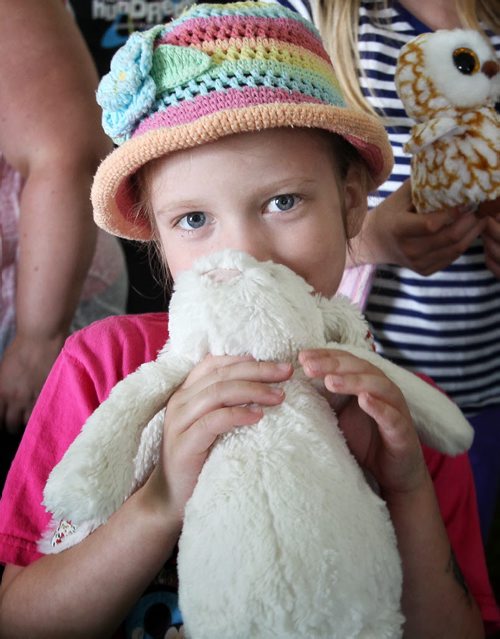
283 202
193 221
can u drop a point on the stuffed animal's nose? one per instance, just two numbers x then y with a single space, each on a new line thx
221 275
490 68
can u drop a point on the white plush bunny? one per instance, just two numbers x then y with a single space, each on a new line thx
283 536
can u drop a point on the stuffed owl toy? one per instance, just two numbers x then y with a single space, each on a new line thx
284 536
449 83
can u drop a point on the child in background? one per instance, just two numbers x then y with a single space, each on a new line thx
431 284
234 135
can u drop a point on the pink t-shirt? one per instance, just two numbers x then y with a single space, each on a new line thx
91 363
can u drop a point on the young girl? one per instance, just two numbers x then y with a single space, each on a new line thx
433 282
233 135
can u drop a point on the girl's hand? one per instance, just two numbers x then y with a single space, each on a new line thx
375 420
393 233
219 395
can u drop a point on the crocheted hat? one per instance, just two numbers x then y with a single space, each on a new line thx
218 69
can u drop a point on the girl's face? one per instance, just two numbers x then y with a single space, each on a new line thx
274 194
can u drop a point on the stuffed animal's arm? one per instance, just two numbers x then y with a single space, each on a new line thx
426 133
148 452
439 422
97 473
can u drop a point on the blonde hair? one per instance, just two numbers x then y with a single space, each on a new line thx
339 18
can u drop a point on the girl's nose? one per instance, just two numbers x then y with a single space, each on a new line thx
252 241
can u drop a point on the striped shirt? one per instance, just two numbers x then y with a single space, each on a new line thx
446 325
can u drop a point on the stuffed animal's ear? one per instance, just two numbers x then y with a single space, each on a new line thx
96 474
344 322
439 421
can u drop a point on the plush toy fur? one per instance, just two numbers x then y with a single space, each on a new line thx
449 83
283 536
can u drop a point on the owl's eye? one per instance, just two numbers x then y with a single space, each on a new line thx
466 61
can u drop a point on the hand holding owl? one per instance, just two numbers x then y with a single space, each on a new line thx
449 83
394 234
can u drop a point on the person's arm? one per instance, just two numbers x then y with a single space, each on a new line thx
88 589
380 434
436 598
393 233
50 132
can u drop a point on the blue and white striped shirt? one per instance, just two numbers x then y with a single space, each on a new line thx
446 325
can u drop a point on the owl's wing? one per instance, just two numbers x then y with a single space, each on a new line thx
426 133
97 472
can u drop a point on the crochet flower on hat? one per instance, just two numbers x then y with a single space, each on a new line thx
139 74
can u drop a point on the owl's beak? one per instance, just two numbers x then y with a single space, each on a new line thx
490 68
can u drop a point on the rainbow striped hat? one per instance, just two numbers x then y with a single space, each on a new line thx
218 69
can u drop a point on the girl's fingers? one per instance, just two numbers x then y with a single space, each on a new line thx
220 369
199 438
212 363
323 361
346 374
376 385
394 428
190 407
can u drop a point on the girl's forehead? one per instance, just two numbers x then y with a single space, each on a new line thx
282 147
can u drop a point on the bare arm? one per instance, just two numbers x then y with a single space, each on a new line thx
436 600
50 132
88 589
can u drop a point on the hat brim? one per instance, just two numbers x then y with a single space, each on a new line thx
113 198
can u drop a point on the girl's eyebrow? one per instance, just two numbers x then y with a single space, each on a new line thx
293 179
179 207
278 186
